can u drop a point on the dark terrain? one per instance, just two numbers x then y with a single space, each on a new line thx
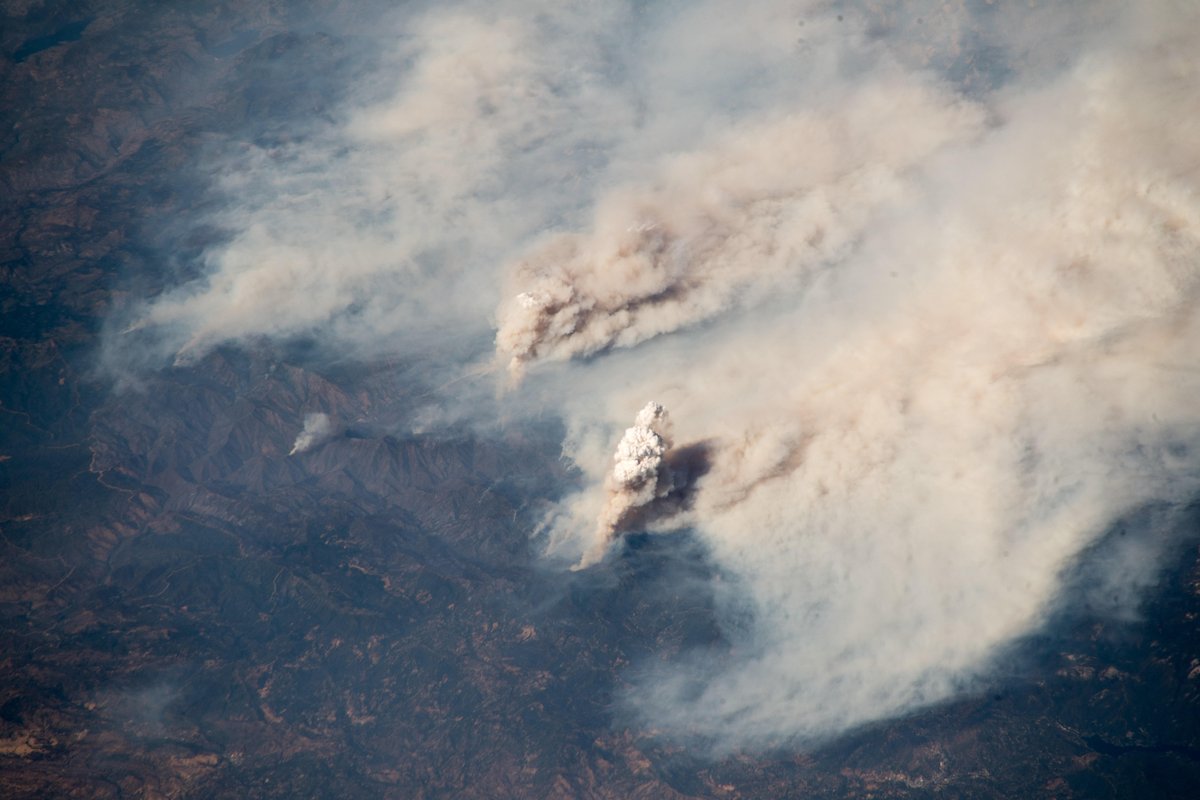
185 611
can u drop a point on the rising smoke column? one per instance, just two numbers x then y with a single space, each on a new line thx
317 428
639 476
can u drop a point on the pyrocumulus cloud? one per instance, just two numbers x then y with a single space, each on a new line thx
640 475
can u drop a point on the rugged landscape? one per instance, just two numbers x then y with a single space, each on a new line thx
187 611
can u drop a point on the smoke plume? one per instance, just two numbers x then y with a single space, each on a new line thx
317 429
755 212
909 454
640 475
923 277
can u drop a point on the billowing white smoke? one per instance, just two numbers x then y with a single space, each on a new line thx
318 427
639 476
937 339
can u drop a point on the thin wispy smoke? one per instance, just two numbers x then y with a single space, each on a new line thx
379 229
926 293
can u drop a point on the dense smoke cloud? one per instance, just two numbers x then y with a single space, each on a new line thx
906 465
931 293
749 215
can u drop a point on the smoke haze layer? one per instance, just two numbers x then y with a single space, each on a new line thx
928 294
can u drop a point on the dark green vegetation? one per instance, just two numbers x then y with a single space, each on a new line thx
187 612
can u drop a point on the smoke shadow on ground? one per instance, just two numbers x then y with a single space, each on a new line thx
686 466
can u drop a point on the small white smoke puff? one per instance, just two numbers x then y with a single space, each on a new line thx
317 428
639 476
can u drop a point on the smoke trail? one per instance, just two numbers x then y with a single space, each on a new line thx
317 428
748 216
